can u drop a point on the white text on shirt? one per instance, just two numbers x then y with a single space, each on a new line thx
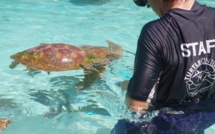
197 48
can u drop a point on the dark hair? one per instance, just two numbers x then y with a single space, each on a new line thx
141 3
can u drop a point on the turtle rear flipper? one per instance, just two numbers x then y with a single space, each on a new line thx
114 48
13 64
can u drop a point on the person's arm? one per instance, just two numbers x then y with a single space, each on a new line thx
142 86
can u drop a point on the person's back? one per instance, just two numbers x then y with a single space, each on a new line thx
174 68
184 44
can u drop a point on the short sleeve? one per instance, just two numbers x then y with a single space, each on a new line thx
147 66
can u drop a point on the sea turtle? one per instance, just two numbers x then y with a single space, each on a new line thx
4 123
62 57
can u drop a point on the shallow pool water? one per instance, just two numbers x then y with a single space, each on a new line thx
53 103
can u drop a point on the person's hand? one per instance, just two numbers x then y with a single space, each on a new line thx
136 105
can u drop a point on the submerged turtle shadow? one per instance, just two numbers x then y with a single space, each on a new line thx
87 2
62 99
79 82
57 101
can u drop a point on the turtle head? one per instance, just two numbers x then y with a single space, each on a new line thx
15 56
115 49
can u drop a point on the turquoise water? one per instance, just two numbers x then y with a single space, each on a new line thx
52 103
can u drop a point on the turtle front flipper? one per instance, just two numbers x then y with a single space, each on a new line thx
91 74
13 64
30 72
89 69
97 67
89 78
98 70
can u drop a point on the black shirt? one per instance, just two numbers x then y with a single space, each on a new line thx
175 57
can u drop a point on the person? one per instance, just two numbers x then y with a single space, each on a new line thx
174 70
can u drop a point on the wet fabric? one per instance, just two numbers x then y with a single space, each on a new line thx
187 107
175 58
168 124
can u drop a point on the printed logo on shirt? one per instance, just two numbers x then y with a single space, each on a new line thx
197 48
200 77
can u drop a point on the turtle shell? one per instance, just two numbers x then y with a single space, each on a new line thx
52 57
94 52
